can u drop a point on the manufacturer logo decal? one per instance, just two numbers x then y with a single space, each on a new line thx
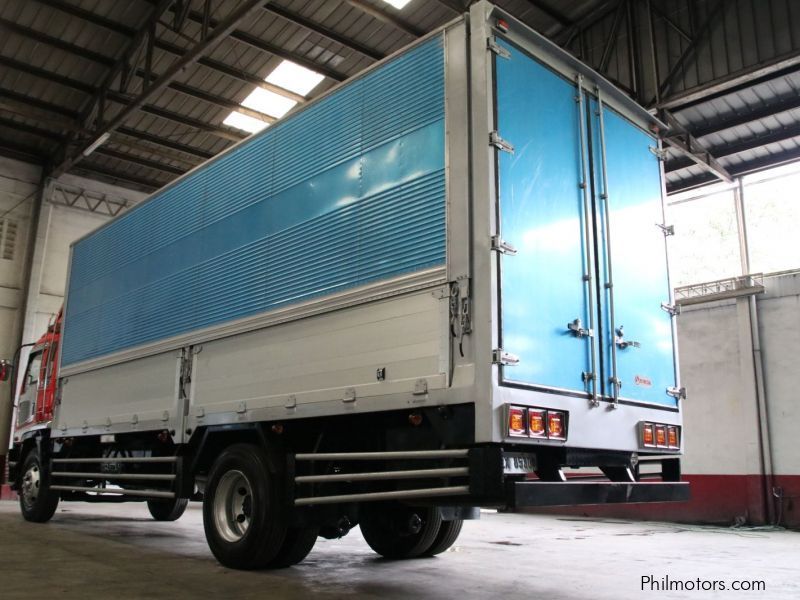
642 381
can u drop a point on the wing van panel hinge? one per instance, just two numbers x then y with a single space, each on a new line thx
506 359
672 309
667 230
502 246
499 143
492 45
677 392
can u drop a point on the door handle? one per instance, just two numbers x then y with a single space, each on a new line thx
620 340
576 328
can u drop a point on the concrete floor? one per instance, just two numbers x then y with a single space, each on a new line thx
116 551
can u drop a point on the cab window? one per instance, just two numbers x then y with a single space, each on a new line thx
32 373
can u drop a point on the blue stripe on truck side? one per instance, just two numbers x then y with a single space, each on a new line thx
348 191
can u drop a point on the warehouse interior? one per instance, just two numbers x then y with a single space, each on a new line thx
103 103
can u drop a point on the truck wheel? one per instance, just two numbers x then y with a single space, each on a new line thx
169 509
242 513
398 531
37 501
298 543
447 536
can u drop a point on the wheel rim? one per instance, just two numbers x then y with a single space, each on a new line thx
31 483
233 506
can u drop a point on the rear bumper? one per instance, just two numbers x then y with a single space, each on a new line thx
522 494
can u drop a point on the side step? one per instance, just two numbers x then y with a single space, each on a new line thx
444 473
60 472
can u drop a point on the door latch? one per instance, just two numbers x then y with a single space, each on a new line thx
576 328
623 343
506 359
667 230
492 45
672 309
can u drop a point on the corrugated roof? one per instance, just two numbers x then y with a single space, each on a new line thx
728 71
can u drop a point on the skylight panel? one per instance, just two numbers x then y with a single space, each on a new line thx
292 76
245 122
268 103
398 4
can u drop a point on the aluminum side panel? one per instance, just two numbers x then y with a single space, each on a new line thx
330 359
137 395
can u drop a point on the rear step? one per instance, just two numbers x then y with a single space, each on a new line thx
446 473
167 492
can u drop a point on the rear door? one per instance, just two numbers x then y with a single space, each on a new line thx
545 286
636 332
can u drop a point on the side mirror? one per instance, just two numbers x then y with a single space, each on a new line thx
5 369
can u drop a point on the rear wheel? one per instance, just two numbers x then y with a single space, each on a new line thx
297 545
397 531
168 509
447 536
37 501
242 514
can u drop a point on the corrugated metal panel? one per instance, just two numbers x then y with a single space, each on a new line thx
348 191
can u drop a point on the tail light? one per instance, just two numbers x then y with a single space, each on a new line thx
555 425
659 435
516 421
536 422
673 439
648 435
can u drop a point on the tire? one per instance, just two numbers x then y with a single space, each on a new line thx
167 510
399 532
297 545
37 501
242 512
447 536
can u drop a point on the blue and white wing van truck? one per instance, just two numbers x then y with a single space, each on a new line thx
439 286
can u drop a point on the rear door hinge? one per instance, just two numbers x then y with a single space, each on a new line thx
677 392
502 246
660 153
499 143
492 45
672 309
667 230
501 357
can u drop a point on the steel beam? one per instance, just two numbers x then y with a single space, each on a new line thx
690 53
772 137
31 129
687 145
323 31
656 10
164 142
149 184
89 16
612 36
30 101
54 42
270 48
68 82
741 118
552 12
736 82
566 34
22 152
140 160
221 30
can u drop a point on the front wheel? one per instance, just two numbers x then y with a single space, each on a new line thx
170 509
37 501
397 531
242 514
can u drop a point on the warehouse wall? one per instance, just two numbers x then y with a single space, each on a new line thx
58 225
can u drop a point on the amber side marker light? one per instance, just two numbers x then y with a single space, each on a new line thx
536 423
673 439
555 425
659 435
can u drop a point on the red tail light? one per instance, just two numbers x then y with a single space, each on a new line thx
673 440
661 436
536 422
648 435
555 425
516 421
